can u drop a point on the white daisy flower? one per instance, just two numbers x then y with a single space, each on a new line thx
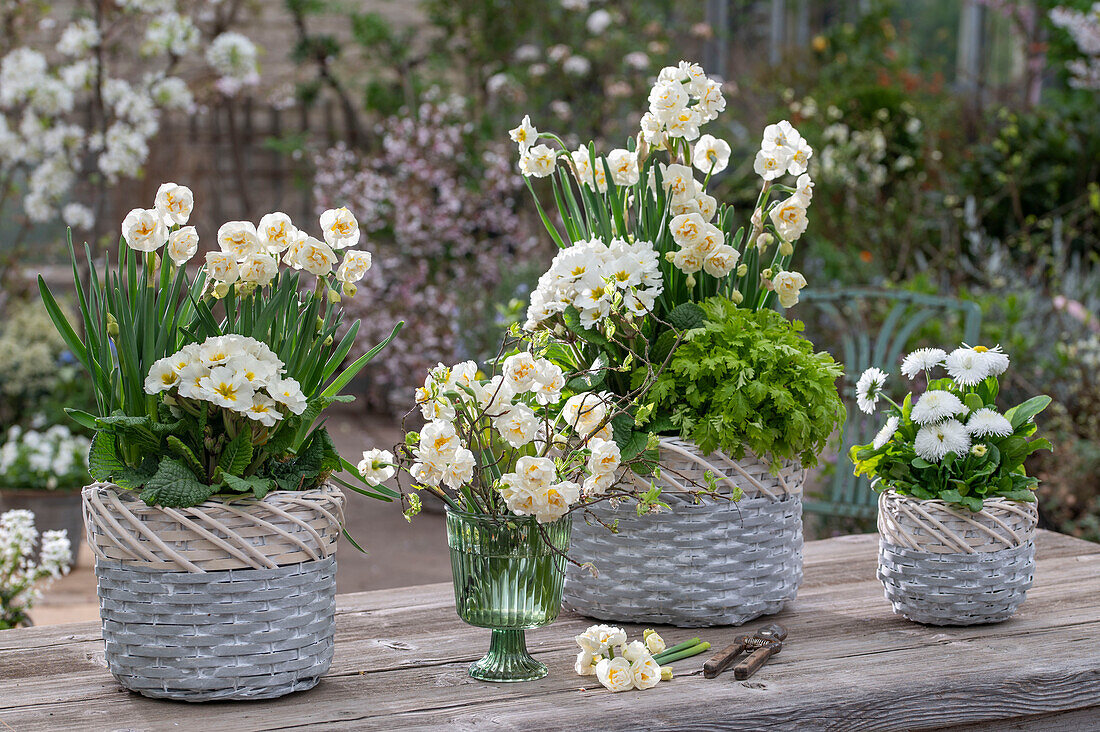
968 367
995 359
985 422
934 441
935 405
868 389
922 359
886 433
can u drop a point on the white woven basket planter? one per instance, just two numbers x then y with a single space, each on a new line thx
943 566
225 600
717 563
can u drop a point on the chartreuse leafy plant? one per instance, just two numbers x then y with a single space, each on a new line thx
951 443
216 385
748 381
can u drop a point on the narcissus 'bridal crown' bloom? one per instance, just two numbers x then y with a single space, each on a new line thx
617 664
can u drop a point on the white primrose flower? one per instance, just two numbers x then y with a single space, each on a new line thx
615 674
144 230
276 232
869 388
174 203
263 410
183 243
985 422
520 371
524 135
646 672
886 433
538 162
787 285
288 392
222 267
227 388
934 441
258 268
239 239
340 228
624 167
711 154
376 467
922 359
162 376
314 256
353 267
935 405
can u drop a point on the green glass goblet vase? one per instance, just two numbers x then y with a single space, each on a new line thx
509 579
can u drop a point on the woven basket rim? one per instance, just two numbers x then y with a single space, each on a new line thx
940 503
936 526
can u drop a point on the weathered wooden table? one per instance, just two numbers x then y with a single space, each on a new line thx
849 664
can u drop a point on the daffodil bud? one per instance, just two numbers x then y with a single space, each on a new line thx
220 290
767 274
742 270
350 289
786 249
736 297
670 255
328 341
666 673
333 296
112 326
320 324
690 281
763 241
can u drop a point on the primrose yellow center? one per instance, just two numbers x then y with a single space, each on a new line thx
169 377
578 270
226 391
597 293
622 275
980 349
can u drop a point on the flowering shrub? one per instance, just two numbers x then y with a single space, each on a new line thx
70 118
448 241
215 386
1084 28
21 577
951 443
51 459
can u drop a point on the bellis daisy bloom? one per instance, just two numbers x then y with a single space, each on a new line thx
985 422
935 405
869 388
886 433
967 366
922 359
935 441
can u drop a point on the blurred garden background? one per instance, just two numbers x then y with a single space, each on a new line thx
957 155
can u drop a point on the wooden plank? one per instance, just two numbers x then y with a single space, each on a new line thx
401 658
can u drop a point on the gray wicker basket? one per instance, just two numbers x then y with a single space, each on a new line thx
227 600
943 566
717 563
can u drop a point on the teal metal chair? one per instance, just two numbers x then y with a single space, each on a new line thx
863 328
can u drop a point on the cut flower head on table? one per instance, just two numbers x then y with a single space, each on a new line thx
950 442
215 385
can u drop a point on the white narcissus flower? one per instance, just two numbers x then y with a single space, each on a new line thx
707 204
654 643
459 468
340 228
886 433
144 230
354 266
679 181
222 267
519 371
615 674
684 123
789 218
288 392
582 164
804 189
314 256
162 377
666 98
770 164
634 651
549 381
711 100
689 260
538 162
646 673
711 154
935 405
556 500
624 167
922 359
605 457
586 664
653 130
800 159
934 441
174 203
258 268
277 232
985 422
524 135
597 639
781 135
722 259
869 389
183 243
238 238
787 285
376 467
687 229
518 425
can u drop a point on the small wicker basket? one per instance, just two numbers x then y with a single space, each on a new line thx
945 566
231 599
716 563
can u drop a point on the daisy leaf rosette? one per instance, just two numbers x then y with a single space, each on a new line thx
950 442
211 373
529 439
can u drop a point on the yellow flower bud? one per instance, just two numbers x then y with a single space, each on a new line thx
767 274
670 255
786 249
666 673
979 450
220 290
328 341
763 241
736 297
350 289
333 296
690 281
112 326
742 270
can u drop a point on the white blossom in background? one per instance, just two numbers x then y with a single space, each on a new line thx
52 128
1084 28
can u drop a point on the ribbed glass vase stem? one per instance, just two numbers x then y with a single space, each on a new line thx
507 578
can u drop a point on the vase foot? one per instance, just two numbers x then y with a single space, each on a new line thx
508 660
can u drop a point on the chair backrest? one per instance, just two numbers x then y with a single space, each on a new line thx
863 328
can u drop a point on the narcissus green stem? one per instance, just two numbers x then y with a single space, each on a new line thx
673 649
695 650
